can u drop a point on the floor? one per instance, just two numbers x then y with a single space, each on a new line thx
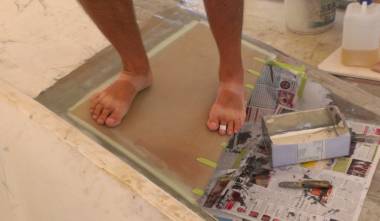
34 187
44 41
264 20
35 30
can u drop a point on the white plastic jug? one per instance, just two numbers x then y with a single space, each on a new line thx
361 35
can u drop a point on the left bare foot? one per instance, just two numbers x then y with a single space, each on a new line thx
228 109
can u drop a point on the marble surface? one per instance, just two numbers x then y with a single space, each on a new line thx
49 170
45 177
42 41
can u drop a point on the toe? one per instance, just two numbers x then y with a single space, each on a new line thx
92 107
223 128
230 128
97 111
237 124
95 101
114 119
94 98
243 117
213 124
103 116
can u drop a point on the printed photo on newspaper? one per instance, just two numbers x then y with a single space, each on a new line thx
246 187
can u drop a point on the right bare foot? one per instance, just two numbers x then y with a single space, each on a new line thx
109 106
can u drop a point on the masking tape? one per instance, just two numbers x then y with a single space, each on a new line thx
254 73
250 86
207 162
198 192
224 145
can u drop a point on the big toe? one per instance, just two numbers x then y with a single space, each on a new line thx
213 124
103 116
114 119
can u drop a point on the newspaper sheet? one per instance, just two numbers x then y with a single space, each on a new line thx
245 186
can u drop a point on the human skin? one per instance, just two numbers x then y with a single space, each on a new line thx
117 21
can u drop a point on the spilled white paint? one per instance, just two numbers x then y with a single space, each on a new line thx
315 96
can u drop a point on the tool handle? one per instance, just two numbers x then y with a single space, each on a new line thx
316 184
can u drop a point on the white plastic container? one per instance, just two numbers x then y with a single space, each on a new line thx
304 136
361 35
309 16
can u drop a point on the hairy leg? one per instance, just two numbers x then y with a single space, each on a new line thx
116 19
226 21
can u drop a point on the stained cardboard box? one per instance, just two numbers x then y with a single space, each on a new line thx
306 136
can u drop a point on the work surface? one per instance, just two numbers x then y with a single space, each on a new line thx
43 41
108 64
165 129
164 132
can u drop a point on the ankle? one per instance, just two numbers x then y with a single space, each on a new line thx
140 81
233 78
137 68
231 73
133 74
232 86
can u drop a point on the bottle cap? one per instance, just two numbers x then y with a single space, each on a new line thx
368 1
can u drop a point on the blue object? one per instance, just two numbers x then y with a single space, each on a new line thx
368 1
224 219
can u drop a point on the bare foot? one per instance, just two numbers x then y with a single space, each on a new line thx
228 109
110 105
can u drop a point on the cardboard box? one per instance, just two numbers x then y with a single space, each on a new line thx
306 136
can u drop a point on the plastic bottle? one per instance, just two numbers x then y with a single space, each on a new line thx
309 16
361 35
